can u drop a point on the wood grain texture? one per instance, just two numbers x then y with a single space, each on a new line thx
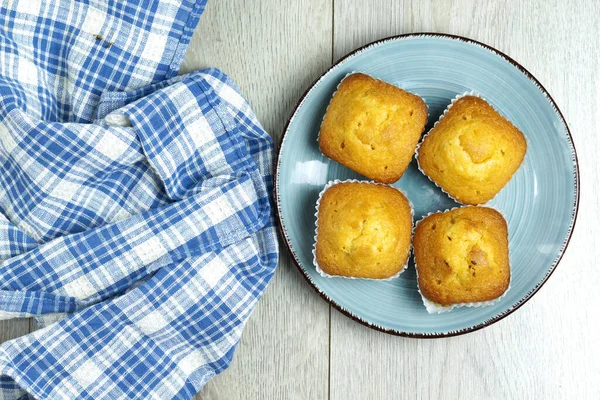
273 50
549 348
14 328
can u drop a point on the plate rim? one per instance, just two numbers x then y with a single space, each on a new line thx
397 332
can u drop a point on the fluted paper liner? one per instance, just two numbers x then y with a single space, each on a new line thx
433 307
454 100
314 251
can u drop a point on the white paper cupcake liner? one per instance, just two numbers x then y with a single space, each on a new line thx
314 250
436 308
381 80
456 98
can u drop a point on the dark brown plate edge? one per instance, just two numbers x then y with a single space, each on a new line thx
496 318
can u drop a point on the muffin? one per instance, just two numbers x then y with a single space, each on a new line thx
372 127
363 231
461 256
472 152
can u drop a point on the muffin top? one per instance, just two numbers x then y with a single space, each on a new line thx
462 256
364 230
472 152
372 127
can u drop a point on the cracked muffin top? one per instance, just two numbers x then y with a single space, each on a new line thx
472 152
461 256
363 230
372 127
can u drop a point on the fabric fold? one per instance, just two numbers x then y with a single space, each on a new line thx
136 215
216 196
172 333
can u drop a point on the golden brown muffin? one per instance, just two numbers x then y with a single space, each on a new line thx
364 230
372 127
472 152
462 256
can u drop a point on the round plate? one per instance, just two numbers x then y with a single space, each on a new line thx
539 203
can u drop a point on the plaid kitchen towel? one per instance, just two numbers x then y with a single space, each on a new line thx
135 215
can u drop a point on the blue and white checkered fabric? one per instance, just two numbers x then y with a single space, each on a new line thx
135 215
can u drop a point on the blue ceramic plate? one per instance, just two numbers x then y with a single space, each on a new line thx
539 203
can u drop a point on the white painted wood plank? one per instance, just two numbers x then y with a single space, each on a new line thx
549 348
273 50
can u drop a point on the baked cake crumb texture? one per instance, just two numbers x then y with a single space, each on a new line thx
364 230
372 127
462 256
472 152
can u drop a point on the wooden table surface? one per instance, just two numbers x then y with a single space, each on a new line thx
295 346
